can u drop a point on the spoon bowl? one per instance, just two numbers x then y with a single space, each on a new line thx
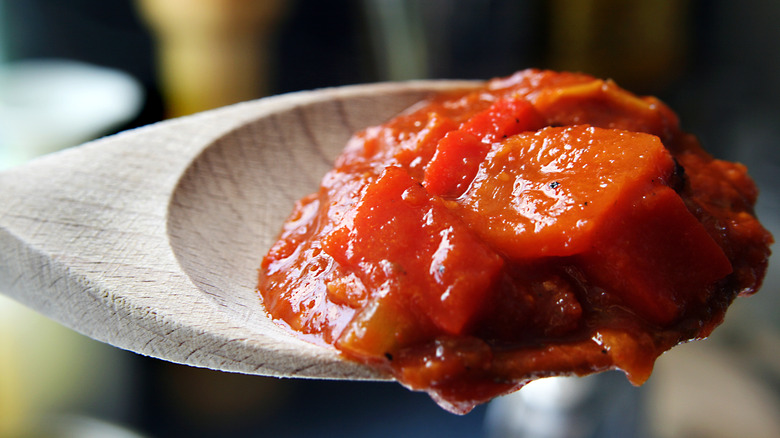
150 239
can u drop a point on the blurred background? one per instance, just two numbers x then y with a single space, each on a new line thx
77 70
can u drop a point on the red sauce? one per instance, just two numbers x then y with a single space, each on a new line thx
546 224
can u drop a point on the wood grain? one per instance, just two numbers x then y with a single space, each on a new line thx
149 240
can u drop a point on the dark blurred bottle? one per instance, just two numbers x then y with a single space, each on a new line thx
641 44
212 53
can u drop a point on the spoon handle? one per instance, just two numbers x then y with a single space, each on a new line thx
83 241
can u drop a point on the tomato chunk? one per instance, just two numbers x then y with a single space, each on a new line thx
412 253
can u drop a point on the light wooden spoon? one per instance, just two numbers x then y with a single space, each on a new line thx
150 240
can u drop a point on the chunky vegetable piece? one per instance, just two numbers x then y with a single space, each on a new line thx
545 193
544 224
460 152
405 243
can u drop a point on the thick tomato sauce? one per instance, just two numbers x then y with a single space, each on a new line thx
545 224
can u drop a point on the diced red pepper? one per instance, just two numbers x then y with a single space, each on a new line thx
459 154
411 252
416 151
503 119
455 164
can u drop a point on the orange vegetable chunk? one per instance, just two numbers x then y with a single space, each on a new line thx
544 193
656 257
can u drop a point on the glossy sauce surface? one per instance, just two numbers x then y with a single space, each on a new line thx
546 224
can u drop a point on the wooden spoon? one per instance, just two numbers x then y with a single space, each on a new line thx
150 240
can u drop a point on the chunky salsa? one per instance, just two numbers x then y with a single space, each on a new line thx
544 224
